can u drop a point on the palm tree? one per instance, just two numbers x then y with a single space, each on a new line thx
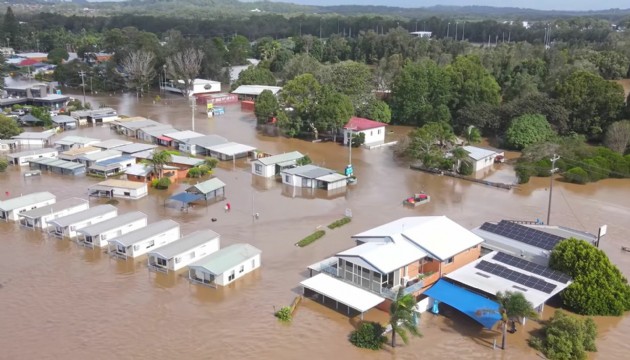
402 318
158 160
513 307
459 154
472 135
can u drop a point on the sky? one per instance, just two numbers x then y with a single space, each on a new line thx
531 4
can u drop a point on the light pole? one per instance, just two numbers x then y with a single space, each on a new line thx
164 83
553 170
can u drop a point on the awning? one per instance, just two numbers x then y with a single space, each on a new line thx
165 138
477 307
349 295
186 197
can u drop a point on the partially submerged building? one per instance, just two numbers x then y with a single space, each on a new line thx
11 209
67 226
75 153
178 138
113 188
144 240
95 116
23 158
134 148
313 177
225 266
181 253
73 142
272 165
111 167
201 145
481 158
111 144
58 166
38 218
97 235
373 131
230 151
35 139
92 158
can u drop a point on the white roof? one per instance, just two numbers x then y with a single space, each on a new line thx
255 90
332 178
135 148
183 135
478 153
489 283
352 296
384 257
44 151
231 148
139 170
439 236
281 158
111 143
26 200
101 155
35 135
71 140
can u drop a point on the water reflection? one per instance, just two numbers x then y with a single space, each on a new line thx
310 193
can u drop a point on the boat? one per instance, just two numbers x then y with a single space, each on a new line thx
417 199
32 173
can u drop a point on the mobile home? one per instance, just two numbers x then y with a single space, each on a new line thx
97 235
141 241
272 165
22 158
184 251
68 225
225 266
10 209
38 218
119 188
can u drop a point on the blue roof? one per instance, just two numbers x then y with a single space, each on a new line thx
114 160
186 197
467 302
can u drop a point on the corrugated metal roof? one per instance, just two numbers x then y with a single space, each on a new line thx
111 143
332 178
69 140
58 163
207 141
123 184
185 160
139 170
280 158
33 152
84 215
113 223
207 186
54 208
34 135
100 155
81 151
63 119
186 243
309 171
116 160
26 200
478 153
219 262
138 124
183 135
231 148
255 90
158 130
135 147
146 232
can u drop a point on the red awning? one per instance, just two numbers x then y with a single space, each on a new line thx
28 62
165 138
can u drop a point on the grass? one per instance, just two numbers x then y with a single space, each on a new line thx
311 238
339 223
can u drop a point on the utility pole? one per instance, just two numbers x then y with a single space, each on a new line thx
91 92
552 171
193 107
82 75
448 30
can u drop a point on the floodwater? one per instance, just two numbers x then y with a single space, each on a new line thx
61 301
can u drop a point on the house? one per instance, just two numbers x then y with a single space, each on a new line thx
58 166
34 139
410 253
75 153
209 189
114 188
35 94
184 251
73 142
182 164
110 167
10 209
67 226
133 148
65 122
230 151
481 158
95 116
97 235
201 145
154 134
251 92
30 120
527 240
92 158
272 165
130 126
24 157
373 131
111 144
140 173
313 177
224 266
178 138
199 86
143 240
38 218
8 145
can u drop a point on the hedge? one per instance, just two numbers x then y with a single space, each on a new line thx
339 223
311 238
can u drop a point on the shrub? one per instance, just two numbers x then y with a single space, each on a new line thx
576 175
284 314
311 238
358 140
194 173
466 168
211 163
3 165
526 130
523 172
154 183
369 335
304 161
566 337
163 183
341 222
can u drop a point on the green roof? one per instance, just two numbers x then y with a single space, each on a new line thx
207 186
227 258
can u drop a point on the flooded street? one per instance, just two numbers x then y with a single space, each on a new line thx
62 301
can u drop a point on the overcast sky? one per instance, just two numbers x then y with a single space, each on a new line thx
532 4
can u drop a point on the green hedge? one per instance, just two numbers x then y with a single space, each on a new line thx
311 238
284 314
339 223
369 335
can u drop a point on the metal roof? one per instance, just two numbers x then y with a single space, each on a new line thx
207 141
71 140
34 152
123 184
58 163
100 111
362 124
146 232
330 178
135 147
255 90
280 158
111 143
185 160
225 259
139 170
309 171
185 244
478 153
54 208
63 119
81 151
116 160
113 223
158 130
105 154
231 148
349 295
84 215
26 200
383 257
138 124
34 135
207 186
183 135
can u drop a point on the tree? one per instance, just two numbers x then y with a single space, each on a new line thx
158 160
402 318
8 127
618 136
301 64
513 306
183 67
43 114
266 48
566 337
376 110
58 55
556 114
255 75
301 94
280 60
333 110
598 286
238 50
472 135
137 67
459 155
483 115
576 175
11 27
386 71
527 130
472 83
369 335
428 142
3 164
266 107
353 79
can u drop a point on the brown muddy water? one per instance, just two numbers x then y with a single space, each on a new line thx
61 301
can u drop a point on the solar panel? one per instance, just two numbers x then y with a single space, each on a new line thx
523 234
515 276
532 267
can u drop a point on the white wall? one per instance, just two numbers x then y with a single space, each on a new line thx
101 239
200 88
13 214
337 185
133 193
483 163
246 266
142 247
43 221
31 142
371 136
23 161
295 180
71 230
265 170
188 257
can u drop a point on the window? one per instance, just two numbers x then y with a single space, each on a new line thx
136 247
231 277
192 255
371 132
253 263
258 168
287 179
177 260
127 193
241 269
379 131
161 262
151 244
448 261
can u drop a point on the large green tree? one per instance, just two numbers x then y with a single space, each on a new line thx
11 28
618 136
428 143
402 318
353 79
333 110
598 286
255 75
375 109
266 106
301 94
566 337
514 307
8 127
471 83
58 55
239 50
526 130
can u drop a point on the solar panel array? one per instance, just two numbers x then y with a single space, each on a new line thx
532 267
523 234
515 276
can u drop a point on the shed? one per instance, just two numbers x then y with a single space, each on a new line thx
133 148
24 157
65 122
67 226
373 131
180 137
35 139
151 134
114 188
314 177
76 153
139 173
225 266
143 240
209 189
184 251
58 166
97 235
230 151
129 127
30 120
272 165
10 209
38 218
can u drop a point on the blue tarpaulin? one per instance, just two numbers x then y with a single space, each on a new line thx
479 308
186 198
